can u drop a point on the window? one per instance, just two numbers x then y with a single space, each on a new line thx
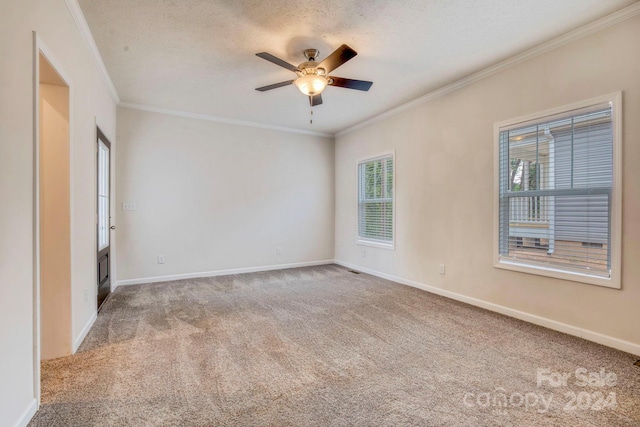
558 181
375 201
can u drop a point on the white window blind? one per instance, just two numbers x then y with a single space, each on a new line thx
375 200
555 191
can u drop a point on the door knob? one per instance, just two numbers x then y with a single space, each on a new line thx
113 227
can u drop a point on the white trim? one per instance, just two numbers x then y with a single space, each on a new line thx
85 32
615 281
72 222
586 334
616 199
172 277
217 119
84 332
36 216
570 37
556 273
28 413
538 115
373 243
94 239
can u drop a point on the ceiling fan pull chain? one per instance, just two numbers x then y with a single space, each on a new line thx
311 116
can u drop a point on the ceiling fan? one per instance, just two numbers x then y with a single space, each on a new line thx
313 77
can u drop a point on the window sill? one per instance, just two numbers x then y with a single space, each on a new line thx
558 274
389 246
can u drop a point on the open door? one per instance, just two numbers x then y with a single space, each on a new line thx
103 220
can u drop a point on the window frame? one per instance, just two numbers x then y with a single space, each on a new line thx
615 280
368 242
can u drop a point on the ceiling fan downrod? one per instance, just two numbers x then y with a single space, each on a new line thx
311 54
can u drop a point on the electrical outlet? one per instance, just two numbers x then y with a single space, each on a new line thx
86 294
441 269
364 252
160 259
278 250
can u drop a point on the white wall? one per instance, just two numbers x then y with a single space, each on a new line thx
444 184
213 196
90 100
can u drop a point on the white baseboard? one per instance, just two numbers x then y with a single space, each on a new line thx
586 334
26 416
84 332
219 273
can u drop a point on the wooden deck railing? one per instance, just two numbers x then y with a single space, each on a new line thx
533 209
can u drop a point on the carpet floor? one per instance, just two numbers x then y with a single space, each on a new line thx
321 346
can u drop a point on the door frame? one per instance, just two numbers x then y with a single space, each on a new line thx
40 48
101 137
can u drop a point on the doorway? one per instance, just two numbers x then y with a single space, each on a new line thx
54 209
104 226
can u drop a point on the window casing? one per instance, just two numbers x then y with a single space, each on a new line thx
558 192
376 211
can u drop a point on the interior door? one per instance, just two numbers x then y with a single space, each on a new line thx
103 219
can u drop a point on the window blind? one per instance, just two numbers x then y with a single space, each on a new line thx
555 186
375 200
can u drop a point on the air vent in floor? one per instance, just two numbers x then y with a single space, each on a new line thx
354 272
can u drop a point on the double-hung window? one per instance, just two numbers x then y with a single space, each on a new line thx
375 201
558 210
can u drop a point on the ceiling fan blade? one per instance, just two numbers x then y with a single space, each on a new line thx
349 83
277 61
337 58
274 86
315 100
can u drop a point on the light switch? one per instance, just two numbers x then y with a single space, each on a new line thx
128 206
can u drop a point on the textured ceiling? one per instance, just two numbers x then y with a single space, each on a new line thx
198 56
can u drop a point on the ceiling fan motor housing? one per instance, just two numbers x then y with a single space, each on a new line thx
310 68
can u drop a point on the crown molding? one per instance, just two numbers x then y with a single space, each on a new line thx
223 120
570 37
85 32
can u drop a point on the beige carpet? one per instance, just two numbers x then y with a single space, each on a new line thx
321 346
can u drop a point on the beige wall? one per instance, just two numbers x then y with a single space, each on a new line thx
444 184
213 196
55 222
90 101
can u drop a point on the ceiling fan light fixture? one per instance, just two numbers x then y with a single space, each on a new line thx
311 84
